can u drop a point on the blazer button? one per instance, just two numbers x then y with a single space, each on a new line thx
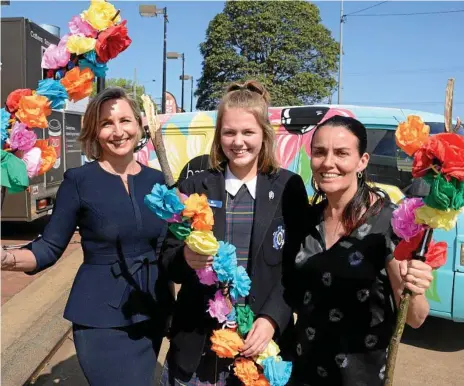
253 299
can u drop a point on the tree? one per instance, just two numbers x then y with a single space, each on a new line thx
282 44
127 85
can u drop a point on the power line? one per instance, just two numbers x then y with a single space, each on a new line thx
410 71
365 9
408 14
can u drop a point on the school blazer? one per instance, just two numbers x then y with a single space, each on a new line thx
281 199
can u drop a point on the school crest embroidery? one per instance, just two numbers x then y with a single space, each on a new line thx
279 237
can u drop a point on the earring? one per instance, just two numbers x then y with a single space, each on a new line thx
143 141
359 174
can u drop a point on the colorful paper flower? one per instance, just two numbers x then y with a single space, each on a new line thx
79 45
246 370
32 159
203 243
14 173
78 26
78 83
90 61
33 111
101 15
444 152
435 218
271 350
277 371
244 317
207 276
197 208
180 230
436 254
48 155
111 42
261 381
226 343
412 134
444 194
403 220
55 56
218 308
5 123
225 262
12 102
21 138
163 202
54 91
241 284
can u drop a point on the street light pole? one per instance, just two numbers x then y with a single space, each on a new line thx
182 98
191 94
163 101
342 20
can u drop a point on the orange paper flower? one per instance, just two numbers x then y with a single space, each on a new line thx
261 381
411 135
197 208
33 111
48 155
12 102
78 83
226 343
246 370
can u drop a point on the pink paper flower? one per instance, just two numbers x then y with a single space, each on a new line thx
21 138
403 221
55 56
79 26
207 276
32 158
218 307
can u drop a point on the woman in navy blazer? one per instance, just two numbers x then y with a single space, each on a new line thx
120 296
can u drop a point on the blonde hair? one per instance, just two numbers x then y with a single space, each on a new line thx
254 98
91 121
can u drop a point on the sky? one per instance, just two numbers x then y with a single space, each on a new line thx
388 61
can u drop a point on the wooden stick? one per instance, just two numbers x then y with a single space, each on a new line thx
156 135
449 106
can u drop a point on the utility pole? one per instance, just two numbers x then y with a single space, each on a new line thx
134 87
340 86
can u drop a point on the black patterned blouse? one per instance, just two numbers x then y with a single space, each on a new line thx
344 303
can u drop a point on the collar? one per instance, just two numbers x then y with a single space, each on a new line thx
233 184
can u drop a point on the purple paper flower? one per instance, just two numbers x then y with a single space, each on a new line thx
79 26
21 138
218 307
207 276
403 221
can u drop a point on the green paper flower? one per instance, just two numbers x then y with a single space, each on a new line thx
444 194
14 173
180 230
245 318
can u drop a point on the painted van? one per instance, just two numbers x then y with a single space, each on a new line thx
188 138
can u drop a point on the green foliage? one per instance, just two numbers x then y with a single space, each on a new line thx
282 44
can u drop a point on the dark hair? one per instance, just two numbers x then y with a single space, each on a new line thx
362 199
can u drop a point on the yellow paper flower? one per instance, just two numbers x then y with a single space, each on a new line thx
100 15
435 218
411 135
80 44
272 350
203 243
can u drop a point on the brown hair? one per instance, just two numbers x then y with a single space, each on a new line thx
90 126
253 97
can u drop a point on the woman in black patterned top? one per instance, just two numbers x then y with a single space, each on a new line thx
346 282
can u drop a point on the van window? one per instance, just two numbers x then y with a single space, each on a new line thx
381 142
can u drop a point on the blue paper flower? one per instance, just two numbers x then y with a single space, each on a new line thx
231 316
277 371
90 61
241 284
54 91
225 262
5 117
163 202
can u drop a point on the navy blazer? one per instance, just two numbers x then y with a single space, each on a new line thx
281 202
119 282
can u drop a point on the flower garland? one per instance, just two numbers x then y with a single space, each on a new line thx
191 220
439 159
96 36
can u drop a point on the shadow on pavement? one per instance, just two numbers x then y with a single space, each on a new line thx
66 372
26 231
436 334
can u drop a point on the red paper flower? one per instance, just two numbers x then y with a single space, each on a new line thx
112 41
405 249
436 254
12 102
448 149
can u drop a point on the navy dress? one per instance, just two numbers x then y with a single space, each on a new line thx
120 299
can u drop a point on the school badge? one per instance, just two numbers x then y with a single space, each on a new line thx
279 237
